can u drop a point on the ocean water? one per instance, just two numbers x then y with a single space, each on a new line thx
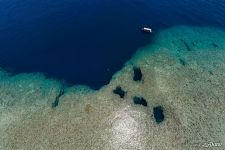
164 90
86 42
183 77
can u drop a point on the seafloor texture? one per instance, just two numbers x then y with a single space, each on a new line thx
171 95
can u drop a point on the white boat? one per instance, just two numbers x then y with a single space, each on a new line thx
147 30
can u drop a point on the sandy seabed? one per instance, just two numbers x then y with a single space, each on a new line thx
183 71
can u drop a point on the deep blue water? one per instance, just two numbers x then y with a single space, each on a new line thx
87 41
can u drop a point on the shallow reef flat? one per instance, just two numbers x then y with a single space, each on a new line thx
170 95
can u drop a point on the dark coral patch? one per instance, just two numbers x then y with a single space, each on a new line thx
137 74
140 101
182 62
56 101
119 91
215 45
186 45
158 114
210 72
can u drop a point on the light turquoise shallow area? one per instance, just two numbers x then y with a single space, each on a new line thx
183 71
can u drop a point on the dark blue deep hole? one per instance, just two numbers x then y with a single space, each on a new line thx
140 101
119 91
158 113
86 42
137 74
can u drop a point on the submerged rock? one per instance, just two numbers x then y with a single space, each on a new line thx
215 45
140 101
186 45
56 102
137 74
88 108
183 62
193 43
210 72
158 114
119 91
